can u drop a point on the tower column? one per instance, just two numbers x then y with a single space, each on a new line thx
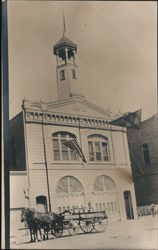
57 58
66 54
74 58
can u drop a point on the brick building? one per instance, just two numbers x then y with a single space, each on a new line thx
52 175
143 145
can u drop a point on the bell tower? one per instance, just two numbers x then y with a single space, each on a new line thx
65 51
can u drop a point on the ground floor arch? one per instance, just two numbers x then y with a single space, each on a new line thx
70 193
105 197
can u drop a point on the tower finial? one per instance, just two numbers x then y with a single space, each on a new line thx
64 25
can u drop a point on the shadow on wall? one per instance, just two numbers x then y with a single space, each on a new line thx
126 175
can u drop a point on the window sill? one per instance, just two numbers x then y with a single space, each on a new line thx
18 172
100 162
67 162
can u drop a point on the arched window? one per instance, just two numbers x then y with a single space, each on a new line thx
98 148
69 185
104 184
41 202
60 150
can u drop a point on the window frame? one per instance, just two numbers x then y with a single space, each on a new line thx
92 142
144 151
103 182
69 186
62 75
72 154
74 74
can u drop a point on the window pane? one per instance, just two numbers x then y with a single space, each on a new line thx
91 151
75 186
56 149
73 74
62 74
97 151
74 155
105 151
62 186
146 157
63 135
146 154
65 155
98 186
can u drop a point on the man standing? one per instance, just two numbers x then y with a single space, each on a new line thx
152 209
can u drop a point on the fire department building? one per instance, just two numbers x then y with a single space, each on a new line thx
53 176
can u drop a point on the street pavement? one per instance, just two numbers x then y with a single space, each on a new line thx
135 234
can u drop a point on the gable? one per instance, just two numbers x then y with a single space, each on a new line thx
78 108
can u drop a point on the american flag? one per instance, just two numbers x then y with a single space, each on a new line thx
129 119
73 144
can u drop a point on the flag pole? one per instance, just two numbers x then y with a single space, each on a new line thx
46 165
80 138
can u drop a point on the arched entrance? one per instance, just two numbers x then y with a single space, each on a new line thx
105 197
69 193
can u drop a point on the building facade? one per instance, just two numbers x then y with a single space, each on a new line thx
143 146
53 176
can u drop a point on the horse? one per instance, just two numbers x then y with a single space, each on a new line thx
45 222
30 216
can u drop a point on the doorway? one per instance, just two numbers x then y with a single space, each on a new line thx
41 203
128 205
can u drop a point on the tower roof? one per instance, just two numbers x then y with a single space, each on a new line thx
64 42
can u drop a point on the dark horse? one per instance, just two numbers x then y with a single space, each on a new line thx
30 217
37 221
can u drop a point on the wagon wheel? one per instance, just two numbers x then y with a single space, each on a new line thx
101 225
57 229
73 227
87 226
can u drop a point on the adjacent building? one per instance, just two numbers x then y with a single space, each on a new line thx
48 175
143 146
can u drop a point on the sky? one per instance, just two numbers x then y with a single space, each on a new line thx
117 52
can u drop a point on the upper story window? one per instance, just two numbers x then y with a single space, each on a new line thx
73 74
146 156
60 150
62 75
98 148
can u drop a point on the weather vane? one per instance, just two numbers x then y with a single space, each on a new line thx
64 25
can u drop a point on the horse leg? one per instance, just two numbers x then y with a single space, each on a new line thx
31 240
44 233
47 231
35 235
40 234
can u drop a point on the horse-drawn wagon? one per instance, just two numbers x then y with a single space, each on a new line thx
86 221
69 220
